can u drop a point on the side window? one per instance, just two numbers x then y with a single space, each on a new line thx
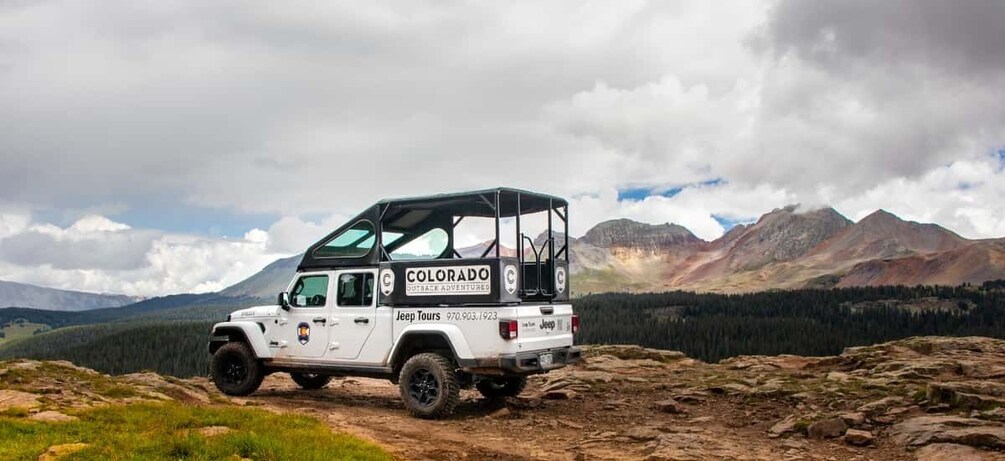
310 291
354 242
355 289
426 246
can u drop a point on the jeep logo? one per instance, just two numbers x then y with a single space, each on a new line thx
546 325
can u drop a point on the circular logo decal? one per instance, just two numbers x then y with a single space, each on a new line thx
509 279
386 281
560 279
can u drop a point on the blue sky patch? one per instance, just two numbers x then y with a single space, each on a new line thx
640 193
195 220
728 223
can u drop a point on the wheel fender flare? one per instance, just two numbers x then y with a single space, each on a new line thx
251 332
451 333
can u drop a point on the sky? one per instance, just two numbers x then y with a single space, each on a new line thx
156 147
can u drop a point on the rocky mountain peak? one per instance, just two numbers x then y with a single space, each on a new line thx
625 233
785 234
881 217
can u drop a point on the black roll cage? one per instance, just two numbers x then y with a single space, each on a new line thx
415 216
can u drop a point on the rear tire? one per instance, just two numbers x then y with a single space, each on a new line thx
429 386
310 381
236 370
493 388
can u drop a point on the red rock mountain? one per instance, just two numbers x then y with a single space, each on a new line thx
786 248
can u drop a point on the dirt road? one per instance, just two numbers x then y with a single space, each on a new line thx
608 408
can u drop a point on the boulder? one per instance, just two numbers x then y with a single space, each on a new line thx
955 452
853 418
670 406
827 428
632 352
59 451
642 433
967 394
881 405
858 438
925 430
162 386
730 389
10 398
787 425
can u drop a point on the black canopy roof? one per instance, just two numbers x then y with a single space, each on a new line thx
479 203
414 215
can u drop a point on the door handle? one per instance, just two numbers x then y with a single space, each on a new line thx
321 320
361 320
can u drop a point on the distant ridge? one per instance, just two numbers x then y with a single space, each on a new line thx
268 282
14 294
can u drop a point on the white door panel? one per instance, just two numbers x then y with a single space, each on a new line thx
302 331
354 315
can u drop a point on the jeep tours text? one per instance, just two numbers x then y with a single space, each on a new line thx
388 295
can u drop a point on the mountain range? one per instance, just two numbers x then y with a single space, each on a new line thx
23 295
786 248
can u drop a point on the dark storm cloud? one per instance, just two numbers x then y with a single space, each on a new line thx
966 38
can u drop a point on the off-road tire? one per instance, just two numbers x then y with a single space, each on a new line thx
493 388
310 381
429 386
236 370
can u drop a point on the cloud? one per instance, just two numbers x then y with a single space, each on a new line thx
93 242
694 207
959 38
308 113
964 197
100 255
292 235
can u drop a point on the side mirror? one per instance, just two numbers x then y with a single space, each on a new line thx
284 301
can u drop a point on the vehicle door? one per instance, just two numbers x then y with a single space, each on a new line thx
354 312
303 329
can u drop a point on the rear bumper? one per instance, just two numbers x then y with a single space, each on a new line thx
524 363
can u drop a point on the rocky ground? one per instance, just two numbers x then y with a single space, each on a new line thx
930 398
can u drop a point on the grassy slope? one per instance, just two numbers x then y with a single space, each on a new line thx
15 330
152 431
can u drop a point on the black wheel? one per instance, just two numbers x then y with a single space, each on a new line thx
501 387
429 386
236 370
311 380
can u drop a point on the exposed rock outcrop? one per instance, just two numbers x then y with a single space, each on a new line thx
898 400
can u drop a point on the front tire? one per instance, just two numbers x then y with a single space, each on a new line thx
493 388
236 370
310 381
429 386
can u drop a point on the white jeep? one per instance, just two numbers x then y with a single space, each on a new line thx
388 296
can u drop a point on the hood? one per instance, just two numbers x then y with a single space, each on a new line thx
257 311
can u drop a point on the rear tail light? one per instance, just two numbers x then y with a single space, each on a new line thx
575 324
508 329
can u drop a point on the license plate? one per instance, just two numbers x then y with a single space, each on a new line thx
546 360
